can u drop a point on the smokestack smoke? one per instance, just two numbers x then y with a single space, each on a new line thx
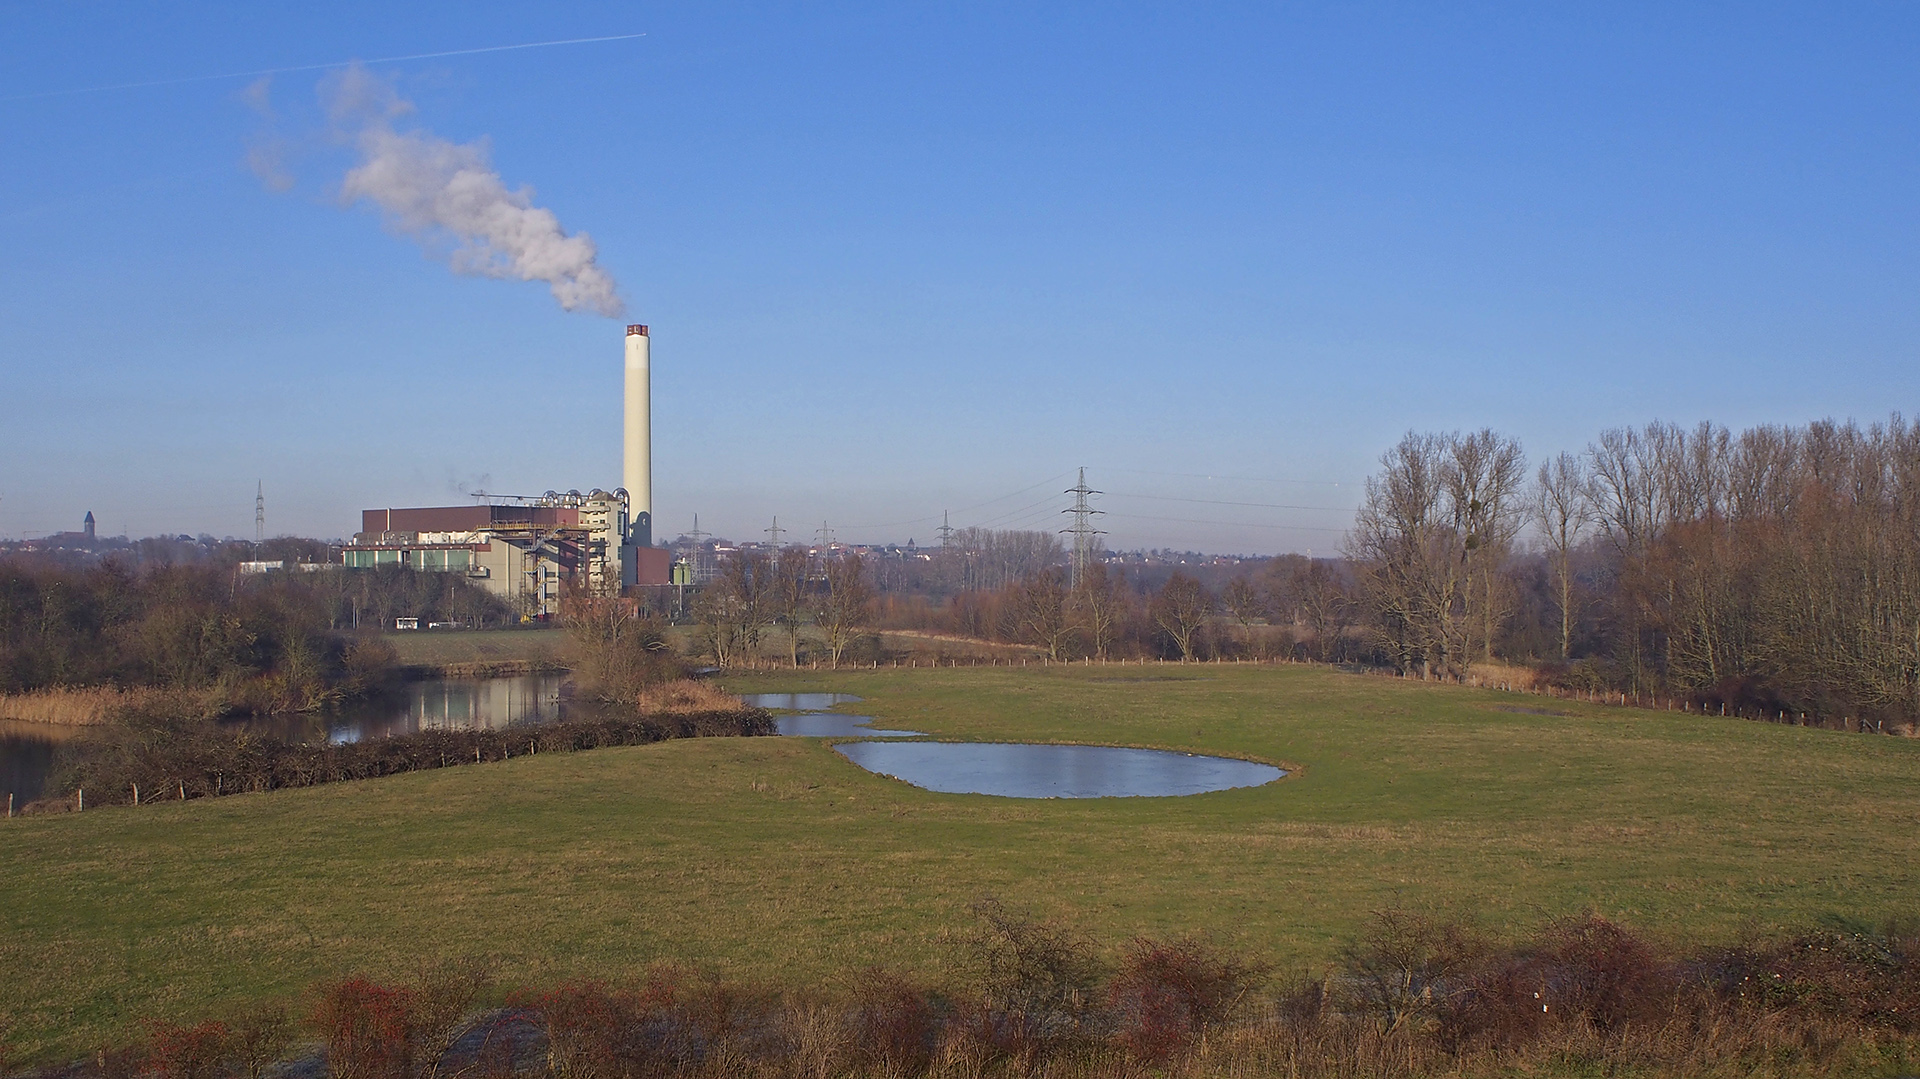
437 190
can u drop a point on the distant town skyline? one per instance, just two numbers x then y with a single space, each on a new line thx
904 261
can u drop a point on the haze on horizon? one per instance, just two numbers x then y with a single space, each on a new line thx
904 261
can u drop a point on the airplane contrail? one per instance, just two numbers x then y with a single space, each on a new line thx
317 67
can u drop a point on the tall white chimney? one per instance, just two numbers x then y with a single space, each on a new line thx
637 456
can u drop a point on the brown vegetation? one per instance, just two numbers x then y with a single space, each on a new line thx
69 706
149 757
232 643
1775 573
1410 997
621 652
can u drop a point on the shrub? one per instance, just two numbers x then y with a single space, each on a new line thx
182 1052
1039 982
260 1034
1600 971
169 759
621 649
1402 968
893 1023
1166 993
369 1029
586 1024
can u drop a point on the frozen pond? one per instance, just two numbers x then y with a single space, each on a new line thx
834 725
1013 770
798 702
820 723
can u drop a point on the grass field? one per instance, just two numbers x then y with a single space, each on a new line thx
444 647
775 859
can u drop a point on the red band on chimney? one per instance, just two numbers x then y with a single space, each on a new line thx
636 329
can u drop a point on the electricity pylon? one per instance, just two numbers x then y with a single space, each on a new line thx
1083 532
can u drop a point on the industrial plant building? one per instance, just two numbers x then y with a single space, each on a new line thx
528 550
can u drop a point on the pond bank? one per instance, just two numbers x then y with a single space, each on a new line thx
481 668
214 763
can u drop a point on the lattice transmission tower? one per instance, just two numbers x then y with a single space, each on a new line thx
259 511
1083 532
773 534
697 537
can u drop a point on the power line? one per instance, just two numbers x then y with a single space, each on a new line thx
1217 502
1002 498
1234 524
1023 510
1246 479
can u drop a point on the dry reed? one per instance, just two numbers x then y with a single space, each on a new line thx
684 696
69 707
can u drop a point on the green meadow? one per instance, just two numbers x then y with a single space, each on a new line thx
775 860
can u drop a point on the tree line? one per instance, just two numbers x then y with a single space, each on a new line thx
1774 571
242 642
827 599
797 604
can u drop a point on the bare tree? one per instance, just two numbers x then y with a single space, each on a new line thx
716 622
748 578
1099 603
1409 554
844 605
1039 611
621 651
1313 591
1483 485
1180 608
791 596
989 559
1247 606
1563 509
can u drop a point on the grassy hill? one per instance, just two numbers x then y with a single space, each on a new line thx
775 859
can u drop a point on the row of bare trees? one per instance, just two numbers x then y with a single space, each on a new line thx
1294 605
242 643
793 590
1773 569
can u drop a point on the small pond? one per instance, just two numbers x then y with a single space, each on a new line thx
798 702
27 749
26 759
818 722
1014 770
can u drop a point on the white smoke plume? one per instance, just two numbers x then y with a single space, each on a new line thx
439 191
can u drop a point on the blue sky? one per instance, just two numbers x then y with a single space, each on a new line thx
899 259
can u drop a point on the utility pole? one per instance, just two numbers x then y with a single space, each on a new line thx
946 531
1082 531
698 537
773 534
824 535
259 512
